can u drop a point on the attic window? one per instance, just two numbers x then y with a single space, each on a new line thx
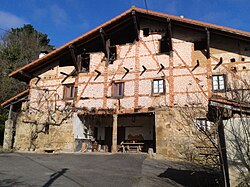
165 45
199 45
145 32
85 62
112 54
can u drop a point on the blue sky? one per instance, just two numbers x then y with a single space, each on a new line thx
64 20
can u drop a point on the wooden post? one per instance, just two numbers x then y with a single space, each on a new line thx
223 152
114 134
208 43
136 25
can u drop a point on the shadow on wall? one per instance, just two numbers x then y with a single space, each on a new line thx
193 178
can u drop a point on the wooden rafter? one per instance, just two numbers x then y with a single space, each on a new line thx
136 27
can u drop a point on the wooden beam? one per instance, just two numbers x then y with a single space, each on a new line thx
104 38
169 28
71 73
25 74
208 43
74 57
135 21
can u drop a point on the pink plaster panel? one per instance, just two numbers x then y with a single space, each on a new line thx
127 102
145 87
184 49
92 90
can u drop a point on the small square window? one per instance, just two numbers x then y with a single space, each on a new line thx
85 62
112 54
219 83
158 86
118 89
202 124
69 91
145 32
165 46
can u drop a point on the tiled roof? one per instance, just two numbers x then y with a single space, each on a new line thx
61 49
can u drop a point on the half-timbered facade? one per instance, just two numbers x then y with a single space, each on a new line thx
126 80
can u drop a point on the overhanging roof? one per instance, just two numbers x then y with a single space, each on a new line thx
15 98
113 23
230 105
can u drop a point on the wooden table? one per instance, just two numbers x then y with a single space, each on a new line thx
131 146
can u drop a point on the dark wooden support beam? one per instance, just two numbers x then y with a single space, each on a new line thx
219 63
106 45
74 57
104 39
38 79
196 66
143 71
98 74
169 29
208 43
136 25
25 74
127 70
162 67
68 75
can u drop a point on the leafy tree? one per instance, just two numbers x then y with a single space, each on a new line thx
18 47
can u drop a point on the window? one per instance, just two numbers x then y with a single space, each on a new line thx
158 86
85 62
165 46
69 91
202 124
112 54
117 89
219 83
145 32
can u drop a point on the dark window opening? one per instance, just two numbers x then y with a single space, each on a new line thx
242 59
165 46
118 89
145 32
112 54
85 62
199 45
219 83
69 91
232 59
158 86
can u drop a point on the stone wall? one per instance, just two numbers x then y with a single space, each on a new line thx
57 137
176 134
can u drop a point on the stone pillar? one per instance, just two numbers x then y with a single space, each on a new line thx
8 134
114 134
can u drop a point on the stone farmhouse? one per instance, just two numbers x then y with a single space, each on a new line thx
131 80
